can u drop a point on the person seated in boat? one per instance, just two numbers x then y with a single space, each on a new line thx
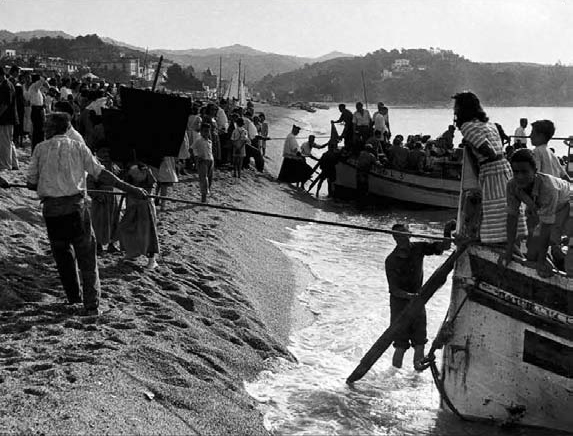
485 150
545 160
377 144
417 158
398 154
521 135
347 118
405 274
547 202
509 150
448 137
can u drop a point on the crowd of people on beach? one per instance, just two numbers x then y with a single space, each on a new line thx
61 119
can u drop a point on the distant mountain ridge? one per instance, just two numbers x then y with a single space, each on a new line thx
256 63
26 35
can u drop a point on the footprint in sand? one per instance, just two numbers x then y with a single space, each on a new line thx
41 367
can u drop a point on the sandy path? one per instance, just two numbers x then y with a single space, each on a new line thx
170 352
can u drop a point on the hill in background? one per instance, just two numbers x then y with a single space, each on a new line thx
422 77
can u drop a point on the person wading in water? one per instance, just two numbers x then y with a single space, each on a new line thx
405 274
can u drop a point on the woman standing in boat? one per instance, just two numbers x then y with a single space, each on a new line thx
486 151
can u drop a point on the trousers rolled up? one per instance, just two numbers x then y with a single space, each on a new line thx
205 170
74 247
37 117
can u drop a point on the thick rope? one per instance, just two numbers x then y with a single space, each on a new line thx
278 215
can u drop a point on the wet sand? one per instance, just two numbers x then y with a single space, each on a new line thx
173 346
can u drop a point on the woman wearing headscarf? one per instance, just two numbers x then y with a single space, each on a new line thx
486 152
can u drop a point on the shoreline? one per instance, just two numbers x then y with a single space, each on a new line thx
173 346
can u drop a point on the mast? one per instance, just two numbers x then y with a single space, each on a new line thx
239 83
220 76
157 73
364 90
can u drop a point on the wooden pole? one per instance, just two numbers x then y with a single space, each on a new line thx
157 73
364 90
145 66
411 311
220 77
239 84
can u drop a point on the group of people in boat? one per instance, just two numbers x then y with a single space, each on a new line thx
70 152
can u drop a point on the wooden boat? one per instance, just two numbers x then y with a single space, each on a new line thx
403 186
510 354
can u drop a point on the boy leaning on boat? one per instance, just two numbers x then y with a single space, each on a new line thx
547 202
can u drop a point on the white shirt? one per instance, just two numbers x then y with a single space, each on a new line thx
74 135
547 162
520 131
290 148
306 149
222 120
363 119
202 148
379 122
251 129
35 94
64 92
97 105
59 165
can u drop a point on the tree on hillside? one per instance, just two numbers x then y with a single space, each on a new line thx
178 79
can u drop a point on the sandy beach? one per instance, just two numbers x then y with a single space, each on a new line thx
173 346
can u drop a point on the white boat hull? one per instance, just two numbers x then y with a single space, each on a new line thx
510 358
403 186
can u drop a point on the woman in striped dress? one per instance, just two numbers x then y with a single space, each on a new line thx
485 147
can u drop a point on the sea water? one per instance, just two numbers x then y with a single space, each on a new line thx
349 299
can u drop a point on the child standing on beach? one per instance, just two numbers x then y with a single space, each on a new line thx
138 227
203 151
240 139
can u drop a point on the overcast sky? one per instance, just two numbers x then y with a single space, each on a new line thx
481 30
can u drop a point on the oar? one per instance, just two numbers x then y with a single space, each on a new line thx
436 281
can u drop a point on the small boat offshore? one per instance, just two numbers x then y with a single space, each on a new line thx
509 353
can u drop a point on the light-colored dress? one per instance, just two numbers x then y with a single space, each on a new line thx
493 178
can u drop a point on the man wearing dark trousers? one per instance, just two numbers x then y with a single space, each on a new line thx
38 113
405 274
57 172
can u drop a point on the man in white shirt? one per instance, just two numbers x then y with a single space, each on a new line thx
203 151
545 160
362 122
379 121
57 172
520 131
38 114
